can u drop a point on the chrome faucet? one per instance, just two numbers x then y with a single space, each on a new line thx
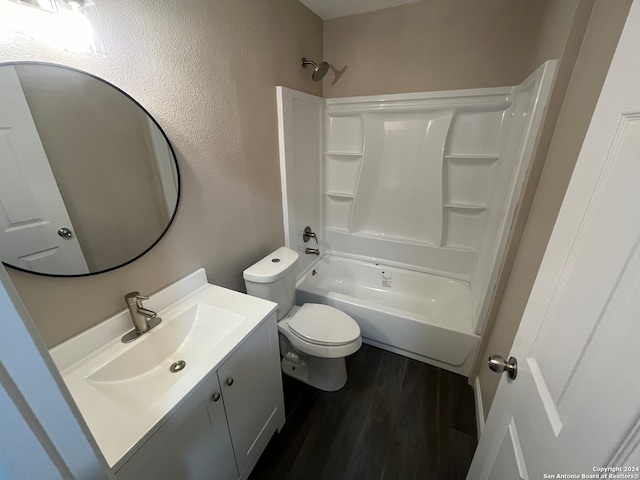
142 318
308 234
312 251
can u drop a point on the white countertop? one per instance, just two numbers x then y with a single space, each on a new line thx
119 425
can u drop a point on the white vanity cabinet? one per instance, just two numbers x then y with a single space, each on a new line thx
219 432
192 444
251 382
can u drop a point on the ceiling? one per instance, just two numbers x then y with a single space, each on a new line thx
327 9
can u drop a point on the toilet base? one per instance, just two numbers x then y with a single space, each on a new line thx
328 374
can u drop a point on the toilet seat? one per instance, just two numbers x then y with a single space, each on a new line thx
324 325
318 348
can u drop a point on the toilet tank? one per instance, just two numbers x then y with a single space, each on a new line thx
274 278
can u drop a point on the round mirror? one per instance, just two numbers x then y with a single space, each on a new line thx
88 180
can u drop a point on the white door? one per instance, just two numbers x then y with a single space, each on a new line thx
166 167
574 407
42 435
31 207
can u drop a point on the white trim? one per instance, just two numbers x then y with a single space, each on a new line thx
477 393
286 150
543 80
391 98
282 149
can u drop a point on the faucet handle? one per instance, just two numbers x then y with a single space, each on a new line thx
308 234
139 299
135 297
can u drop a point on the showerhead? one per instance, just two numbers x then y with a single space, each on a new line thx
319 71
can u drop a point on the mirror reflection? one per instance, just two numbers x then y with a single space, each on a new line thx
88 180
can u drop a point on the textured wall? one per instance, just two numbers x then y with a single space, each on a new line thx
440 45
586 79
206 70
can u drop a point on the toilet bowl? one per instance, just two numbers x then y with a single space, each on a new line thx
314 339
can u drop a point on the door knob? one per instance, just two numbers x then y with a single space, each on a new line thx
215 397
498 364
65 233
229 381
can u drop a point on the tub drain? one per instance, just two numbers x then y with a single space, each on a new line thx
177 366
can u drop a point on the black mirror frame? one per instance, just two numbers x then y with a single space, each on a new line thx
175 160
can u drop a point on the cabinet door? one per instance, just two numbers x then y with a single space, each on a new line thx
193 444
252 391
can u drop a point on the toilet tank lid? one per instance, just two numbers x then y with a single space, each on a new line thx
272 267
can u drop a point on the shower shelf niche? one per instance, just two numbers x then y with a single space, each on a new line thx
338 209
342 172
387 238
343 154
340 194
462 206
471 158
345 136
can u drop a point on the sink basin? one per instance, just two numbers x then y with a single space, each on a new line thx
126 391
142 373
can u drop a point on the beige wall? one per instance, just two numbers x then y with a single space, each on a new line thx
585 79
206 70
443 45
96 140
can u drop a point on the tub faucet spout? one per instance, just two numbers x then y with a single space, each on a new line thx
312 251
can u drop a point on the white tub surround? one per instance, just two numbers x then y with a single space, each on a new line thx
124 413
426 180
419 315
301 116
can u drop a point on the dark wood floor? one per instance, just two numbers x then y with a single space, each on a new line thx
395 419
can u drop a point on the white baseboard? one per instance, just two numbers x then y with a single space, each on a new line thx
479 407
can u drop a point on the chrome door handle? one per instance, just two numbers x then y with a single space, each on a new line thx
498 364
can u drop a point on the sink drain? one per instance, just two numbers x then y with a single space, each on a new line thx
177 366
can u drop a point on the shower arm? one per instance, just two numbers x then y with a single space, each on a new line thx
306 62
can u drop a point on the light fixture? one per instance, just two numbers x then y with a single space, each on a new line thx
79 3
55 23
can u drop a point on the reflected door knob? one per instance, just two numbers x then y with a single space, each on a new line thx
65 233
498 364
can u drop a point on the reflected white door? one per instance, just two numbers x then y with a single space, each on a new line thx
31 207
166 167
574 407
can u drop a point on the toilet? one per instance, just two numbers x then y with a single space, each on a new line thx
314 339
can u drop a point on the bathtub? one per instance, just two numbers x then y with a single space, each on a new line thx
422 316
